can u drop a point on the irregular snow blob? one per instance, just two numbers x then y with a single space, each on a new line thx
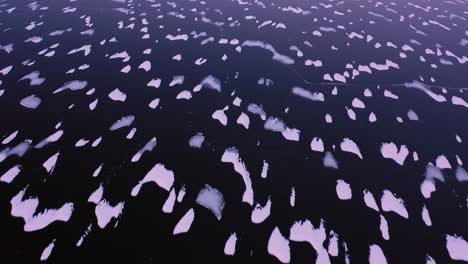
343 190
278 246
230 246
260 213
348 145
163 177
231 155
390 151
457 247
197 140
212 199
391 203
376 255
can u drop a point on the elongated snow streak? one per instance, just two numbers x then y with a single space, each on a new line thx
125 121
184 224
72 85
301 92
231 155
276 56
47 251
18 150
426 89
149 146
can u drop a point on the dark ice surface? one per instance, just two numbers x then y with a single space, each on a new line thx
381 85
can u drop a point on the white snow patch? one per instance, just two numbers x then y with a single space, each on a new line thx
390 203
376 255
343 190
185 94
197 140
443 163
184 224
125 121
369 200
243 120
457 247
10 174
304 231
163 177
212 199
278 246
47 251
105 212
230 246
149 146
260 213
427 187
168 206
301 92
156 83
231 155
390 151
265 167
31 102
348 145
146 65
96 196
384 228
425 216
117 95
220 116
317 144
357 103
329 161
49 164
